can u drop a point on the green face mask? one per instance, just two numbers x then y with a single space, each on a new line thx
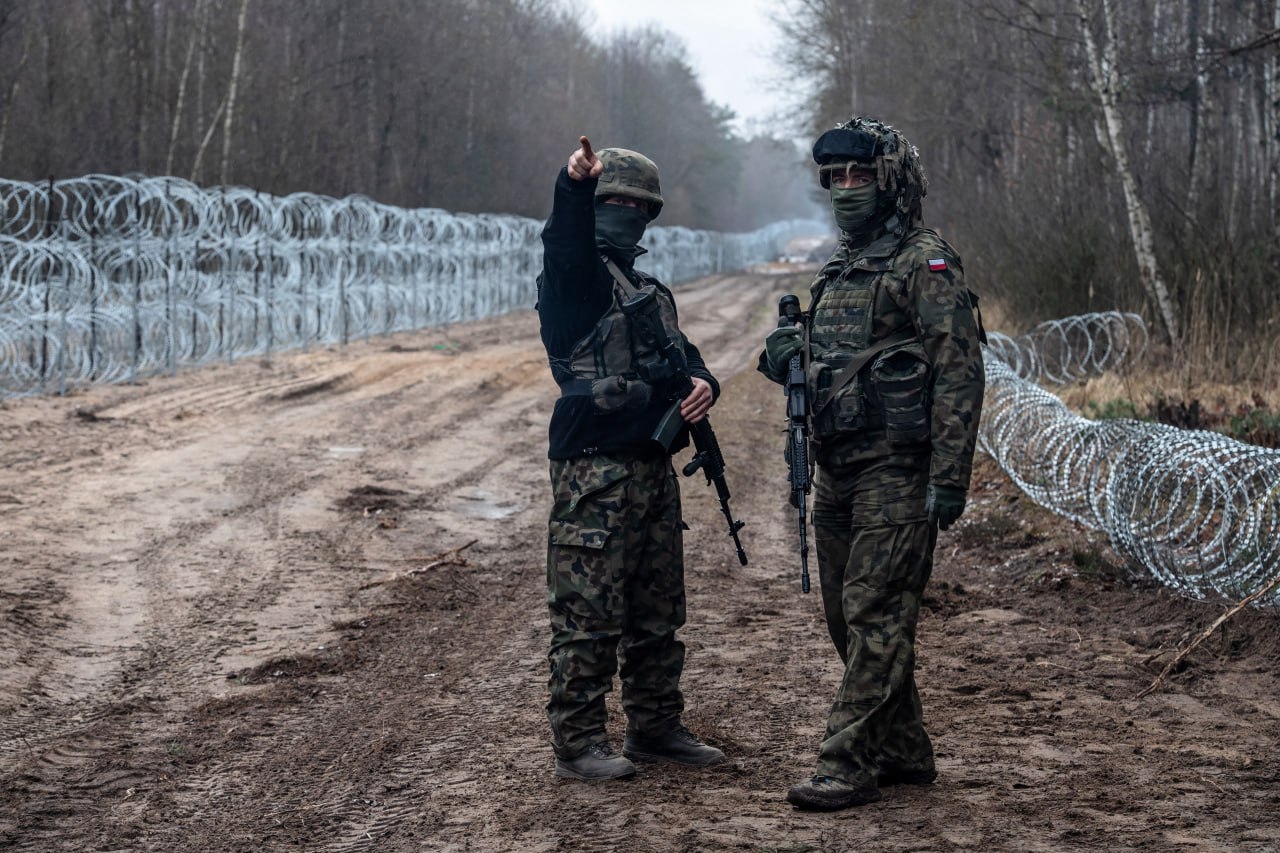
855 209
619 228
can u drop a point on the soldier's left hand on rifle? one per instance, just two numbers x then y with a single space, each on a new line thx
695 406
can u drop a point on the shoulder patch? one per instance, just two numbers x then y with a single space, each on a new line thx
937 264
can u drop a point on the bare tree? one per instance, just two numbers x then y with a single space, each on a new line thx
1106 82
197 37
231 93
7 15
397 99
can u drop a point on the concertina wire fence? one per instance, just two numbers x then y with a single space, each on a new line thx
108 279
1198 509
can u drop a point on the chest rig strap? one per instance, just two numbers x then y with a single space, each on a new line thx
861 360
583 387
628 289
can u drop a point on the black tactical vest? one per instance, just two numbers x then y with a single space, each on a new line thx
608 364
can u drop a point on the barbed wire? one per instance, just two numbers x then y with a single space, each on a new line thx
1199 510
108 279
1062 351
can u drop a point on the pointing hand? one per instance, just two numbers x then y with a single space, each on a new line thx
583 162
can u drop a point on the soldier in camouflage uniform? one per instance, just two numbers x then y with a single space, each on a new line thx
615 564
895 381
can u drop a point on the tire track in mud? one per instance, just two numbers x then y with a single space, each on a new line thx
158 571
501 470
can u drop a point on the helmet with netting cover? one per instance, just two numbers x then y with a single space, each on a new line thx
631 174
876 145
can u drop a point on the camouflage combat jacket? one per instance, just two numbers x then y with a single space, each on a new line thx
921 389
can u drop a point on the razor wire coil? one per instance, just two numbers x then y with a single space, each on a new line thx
108 279
1198 509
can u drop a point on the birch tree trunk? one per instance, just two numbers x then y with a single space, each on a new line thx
231 94
197 35
1104 80
1200 19
204 143
1271 123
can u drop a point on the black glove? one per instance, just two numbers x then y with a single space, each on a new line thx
780 345
944 505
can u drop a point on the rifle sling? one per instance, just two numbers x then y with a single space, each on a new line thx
620 277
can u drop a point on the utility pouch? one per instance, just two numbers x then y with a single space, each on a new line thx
615 393
841 410
901 377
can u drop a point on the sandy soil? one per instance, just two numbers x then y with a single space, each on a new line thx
230 619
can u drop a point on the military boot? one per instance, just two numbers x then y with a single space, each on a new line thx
678 745
826 793
890 775
594 763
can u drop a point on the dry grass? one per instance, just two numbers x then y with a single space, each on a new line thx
1144 388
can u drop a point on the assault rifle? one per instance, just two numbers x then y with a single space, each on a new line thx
642 311
789 314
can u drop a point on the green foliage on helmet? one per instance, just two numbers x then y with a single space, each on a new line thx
631 174
874 144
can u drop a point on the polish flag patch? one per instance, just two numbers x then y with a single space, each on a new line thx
937 264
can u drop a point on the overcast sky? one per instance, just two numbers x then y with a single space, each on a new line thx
729 42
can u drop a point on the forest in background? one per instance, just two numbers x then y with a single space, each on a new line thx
464 105
1083 155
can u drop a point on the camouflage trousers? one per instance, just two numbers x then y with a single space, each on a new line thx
615 589
875 553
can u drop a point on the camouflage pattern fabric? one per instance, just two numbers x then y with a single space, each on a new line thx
631 174
918 284
875 555
615 589
873 539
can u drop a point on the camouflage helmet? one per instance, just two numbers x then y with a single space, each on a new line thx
631 174
876 145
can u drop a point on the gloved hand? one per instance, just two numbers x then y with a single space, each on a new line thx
780 345
944 504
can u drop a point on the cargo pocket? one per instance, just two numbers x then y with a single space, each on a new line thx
573 535
901 378
578 562
818 380
845 412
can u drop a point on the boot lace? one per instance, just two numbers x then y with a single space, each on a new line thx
687 736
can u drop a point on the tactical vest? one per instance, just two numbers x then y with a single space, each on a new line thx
612 364
846 396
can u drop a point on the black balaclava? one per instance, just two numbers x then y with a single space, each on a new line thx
619 228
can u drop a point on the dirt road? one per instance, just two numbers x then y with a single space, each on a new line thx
241 610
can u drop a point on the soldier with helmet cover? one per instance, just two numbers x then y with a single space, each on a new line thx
615 565
890 345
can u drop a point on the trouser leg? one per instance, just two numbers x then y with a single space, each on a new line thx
875 555
907 746
587 571
651 657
